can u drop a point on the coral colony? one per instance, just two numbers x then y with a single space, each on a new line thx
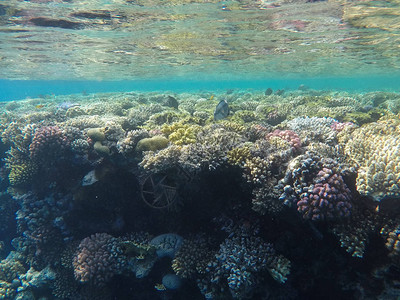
151 196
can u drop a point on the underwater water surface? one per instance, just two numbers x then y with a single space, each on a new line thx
199 149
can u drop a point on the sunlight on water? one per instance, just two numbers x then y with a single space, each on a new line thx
138 39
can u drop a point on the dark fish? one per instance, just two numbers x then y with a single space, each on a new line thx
170 102
221 111
268 91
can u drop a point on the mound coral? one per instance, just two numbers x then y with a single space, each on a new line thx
48 144
375 149
316 187
98 258
328 198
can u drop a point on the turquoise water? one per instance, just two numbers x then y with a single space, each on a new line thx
14 90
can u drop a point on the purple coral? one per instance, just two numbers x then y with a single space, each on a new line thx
98 259
327 198
288 135
48 143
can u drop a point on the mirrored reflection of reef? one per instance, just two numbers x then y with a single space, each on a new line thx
294 195
136 39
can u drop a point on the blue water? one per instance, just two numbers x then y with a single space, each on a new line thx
21 89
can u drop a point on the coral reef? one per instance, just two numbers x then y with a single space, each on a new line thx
104 195
374 148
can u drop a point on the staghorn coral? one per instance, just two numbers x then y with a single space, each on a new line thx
375 149
98 258
257 170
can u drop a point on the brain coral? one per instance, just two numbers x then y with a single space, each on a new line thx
375 148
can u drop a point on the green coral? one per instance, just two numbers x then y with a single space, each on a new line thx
154 143
244 116
232 126
96 134
181 133
137 249
361 118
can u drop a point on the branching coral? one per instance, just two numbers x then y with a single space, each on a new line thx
98 258
375 148
241 259
354 233
192 258
181 133
317 188
48 144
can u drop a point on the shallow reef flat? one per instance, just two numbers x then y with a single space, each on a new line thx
291 195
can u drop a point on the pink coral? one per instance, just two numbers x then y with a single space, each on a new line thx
339 126
98 259
327 198
48 143
288 135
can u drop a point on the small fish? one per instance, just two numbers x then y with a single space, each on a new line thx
67 105
212 97
89 178
39 106
221 111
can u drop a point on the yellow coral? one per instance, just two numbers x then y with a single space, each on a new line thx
180 133
238 156
375 149
232 126
22 173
